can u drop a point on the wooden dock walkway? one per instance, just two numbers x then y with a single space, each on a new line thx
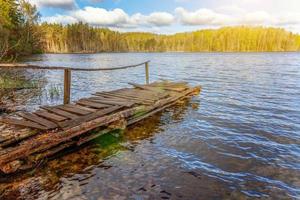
28 139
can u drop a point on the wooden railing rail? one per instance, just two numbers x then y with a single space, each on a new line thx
68 74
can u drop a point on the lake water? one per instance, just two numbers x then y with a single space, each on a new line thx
239 139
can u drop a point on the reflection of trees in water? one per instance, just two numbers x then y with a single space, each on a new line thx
88 157
17 87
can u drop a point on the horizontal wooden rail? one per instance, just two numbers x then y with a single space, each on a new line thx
68 74
29 66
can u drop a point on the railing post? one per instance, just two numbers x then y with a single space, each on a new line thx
67 86
147 72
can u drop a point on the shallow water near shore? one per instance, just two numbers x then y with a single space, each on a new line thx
239 139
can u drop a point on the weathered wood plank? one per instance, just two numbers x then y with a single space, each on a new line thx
74 110
60 112
141 94
169 84
149 88
105 97
69 124
150 95
177 87
19 135
50 116
87 102
23 123
112 102
86 108
129 97
3 139
39 120
138 95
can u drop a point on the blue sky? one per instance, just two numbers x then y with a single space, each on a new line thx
171 16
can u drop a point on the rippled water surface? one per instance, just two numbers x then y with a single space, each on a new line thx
239 139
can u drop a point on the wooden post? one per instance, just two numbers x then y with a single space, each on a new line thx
67 86
147 72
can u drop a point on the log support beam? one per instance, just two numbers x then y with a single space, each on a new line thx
147 72
67 86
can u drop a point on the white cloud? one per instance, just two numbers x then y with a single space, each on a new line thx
64 4
112 18
223 16
160 18
202 17
156 19
227 15
101 17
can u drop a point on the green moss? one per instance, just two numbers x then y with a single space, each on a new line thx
108 139
108 144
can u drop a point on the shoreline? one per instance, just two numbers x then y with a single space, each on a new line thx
121 52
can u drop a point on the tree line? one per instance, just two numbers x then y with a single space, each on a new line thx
19 29
81 37
22 34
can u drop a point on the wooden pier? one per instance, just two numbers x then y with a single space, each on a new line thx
27 139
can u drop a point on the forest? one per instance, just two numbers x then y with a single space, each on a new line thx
84 38
19 30
21 33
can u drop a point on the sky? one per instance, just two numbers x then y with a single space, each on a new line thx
172 16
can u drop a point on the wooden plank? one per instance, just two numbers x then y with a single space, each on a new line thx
137 94
100 113
3 139
149 88
86 108
39 120
112 102
182 83
170 88
125 97
50 116
73 109
113 98
116 100
144 95
23 123
177 89
60 112
87 102
177 86
170 84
